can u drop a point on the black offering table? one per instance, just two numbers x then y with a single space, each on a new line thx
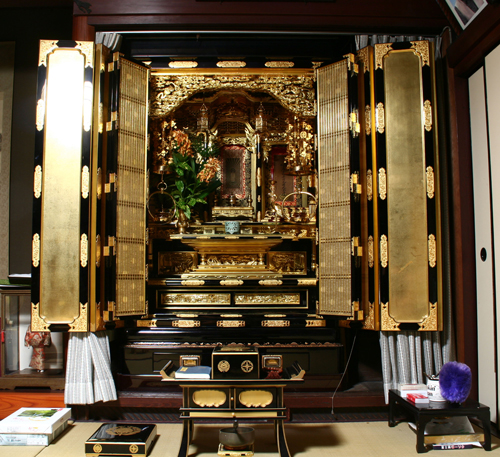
421 415
234 399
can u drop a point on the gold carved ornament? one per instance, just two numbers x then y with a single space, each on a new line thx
183 64
40 114
380 118
427 116
231 282
184 323
388 323
98 251
430 182
315 323
275 323
307 282
97 448
381 50
133 448
430 322
382 184
231 64
369 185
270 282
383 251
84 246
256 398
192 282
46 47
368 120
230 324
369 321
209 397
35 250
80 324
432 250
37 323
295 92
371 257
85 182
279 64
87 49
37 182
421 49
364 57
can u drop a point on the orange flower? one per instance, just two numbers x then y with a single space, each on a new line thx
209 170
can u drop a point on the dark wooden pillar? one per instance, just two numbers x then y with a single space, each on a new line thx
82 31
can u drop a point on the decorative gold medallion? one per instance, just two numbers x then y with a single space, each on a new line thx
85 182
134 449
183 64
97 448
186 323
123 430
231 64
246 366
230 324
84 250
223 366
279 64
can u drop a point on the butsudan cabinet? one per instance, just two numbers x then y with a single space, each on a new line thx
324 209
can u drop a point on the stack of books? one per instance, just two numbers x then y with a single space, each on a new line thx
33 426
405 389
450 433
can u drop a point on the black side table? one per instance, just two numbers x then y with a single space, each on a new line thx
421 415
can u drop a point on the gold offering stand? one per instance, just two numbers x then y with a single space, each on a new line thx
232 400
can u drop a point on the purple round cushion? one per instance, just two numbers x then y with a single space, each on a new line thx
455 380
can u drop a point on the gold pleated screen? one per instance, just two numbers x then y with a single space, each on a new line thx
131 190
334 198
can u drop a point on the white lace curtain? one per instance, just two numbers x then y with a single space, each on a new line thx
88 370
408 355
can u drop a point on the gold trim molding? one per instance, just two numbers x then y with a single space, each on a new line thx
430 182
315 323
80 324
432 251
231 282
87 49
388 323
147 323
384 257
368 120
382 184
270 282
307 282
46 47
430 323
37 181
364 57
35 250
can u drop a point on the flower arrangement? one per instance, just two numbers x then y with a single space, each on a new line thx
193 170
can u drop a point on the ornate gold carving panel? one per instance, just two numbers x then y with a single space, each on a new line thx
267 299
201 299
294 91
288 263
209 398
186 323
256 398
275 323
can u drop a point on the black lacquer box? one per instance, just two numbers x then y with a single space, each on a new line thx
235 362
121 439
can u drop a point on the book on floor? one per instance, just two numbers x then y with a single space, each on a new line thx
121 439
31 439
198 372
35 420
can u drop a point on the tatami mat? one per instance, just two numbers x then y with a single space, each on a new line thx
352 439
